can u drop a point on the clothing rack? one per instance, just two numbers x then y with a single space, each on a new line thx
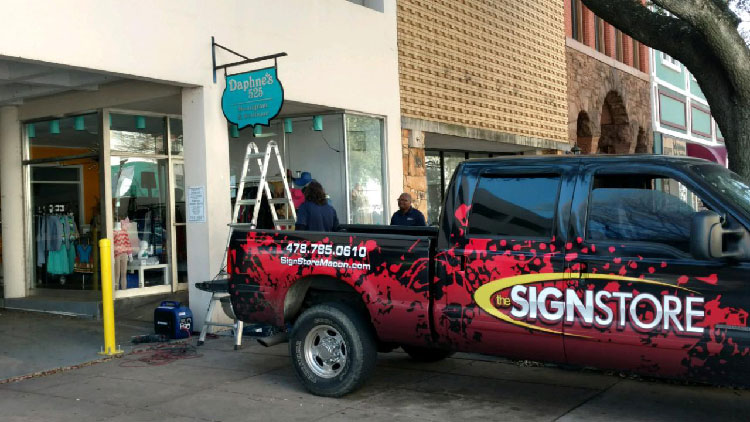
65 232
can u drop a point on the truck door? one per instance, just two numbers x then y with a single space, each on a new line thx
643 302
504 298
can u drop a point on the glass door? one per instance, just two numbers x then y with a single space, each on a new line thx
62 170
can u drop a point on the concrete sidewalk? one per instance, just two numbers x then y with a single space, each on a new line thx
214 382
34 342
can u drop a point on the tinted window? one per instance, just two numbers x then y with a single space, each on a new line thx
642 208
514 206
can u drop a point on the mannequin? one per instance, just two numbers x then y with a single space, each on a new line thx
123 253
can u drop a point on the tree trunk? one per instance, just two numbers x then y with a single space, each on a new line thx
738 150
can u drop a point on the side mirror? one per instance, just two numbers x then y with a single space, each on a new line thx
706 235
709 240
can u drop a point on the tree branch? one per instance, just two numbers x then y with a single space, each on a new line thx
723 5
717 26
682 40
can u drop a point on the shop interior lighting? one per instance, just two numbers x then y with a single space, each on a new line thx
257 130
317 123
234 132
140 122
31 130
54 126
79 124
287 125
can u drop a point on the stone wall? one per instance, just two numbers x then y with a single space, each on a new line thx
624 125
415 171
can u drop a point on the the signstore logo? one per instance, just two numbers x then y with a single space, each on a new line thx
523 301
252 98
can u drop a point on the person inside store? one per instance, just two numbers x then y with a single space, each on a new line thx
406 214
298 196
315 214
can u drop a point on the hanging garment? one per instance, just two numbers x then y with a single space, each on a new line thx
72 229
84 253
54 232
122 243
57 262
41 240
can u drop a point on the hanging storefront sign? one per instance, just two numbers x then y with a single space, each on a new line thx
252 98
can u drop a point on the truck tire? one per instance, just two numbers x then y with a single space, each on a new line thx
333 349
423 354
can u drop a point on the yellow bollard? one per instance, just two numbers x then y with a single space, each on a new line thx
108 306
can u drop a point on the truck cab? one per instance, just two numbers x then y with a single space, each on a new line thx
630 262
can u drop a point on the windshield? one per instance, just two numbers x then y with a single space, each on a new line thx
727 184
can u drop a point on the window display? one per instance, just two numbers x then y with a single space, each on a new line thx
140 209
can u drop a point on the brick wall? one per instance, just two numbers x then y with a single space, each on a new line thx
491 65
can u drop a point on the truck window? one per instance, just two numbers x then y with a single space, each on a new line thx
521 206
641 208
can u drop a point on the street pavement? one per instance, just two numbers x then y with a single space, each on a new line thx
213 382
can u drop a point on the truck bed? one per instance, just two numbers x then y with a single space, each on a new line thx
389 267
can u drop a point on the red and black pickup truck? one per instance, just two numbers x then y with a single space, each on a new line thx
638 263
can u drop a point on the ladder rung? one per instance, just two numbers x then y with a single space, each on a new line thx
256 179
287 222
217 324
241 225
246 201
258 155
279 201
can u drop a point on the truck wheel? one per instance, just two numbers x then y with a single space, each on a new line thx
423 354
333 349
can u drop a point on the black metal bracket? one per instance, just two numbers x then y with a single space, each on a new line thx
246 60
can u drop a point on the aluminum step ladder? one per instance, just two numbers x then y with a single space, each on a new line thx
254 160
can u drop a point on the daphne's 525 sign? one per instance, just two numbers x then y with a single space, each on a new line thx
252 98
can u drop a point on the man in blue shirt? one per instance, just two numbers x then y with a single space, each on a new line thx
406 215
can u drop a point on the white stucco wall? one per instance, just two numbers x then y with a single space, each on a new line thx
340 55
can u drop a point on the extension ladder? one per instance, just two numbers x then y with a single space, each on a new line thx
220 295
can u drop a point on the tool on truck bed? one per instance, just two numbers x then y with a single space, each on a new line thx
254 162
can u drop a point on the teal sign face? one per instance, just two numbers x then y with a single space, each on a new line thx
252 98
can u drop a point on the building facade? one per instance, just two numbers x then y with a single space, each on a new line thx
682 122
114 126
477 79
609 106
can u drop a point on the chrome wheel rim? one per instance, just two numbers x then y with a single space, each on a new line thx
325 351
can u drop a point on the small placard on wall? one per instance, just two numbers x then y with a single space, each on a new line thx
196 204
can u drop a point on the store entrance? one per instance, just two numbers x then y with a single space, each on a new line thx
64 239
64 202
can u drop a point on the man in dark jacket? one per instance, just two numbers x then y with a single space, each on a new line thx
315 214
406 215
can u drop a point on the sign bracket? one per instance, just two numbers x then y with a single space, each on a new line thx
246 60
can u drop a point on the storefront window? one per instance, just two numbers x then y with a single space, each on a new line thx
434 187
175 136
364 142
451 160
140 243
137 134
180 260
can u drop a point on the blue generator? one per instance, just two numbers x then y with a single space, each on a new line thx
173 320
